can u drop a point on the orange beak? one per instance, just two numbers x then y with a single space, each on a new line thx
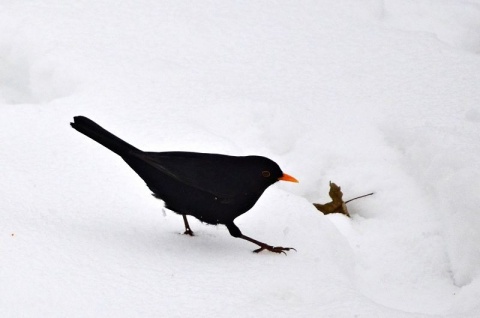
287 177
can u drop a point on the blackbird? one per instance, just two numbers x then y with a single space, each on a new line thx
214 188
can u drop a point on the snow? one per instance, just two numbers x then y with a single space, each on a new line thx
376 96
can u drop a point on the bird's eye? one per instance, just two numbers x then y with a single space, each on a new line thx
266 174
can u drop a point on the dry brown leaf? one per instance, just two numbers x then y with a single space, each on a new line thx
337 205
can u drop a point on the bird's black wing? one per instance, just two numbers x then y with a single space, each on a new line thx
220 175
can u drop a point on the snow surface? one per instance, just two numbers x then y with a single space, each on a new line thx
377 96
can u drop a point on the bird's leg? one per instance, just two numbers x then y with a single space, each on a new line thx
235 232
188 230
263 246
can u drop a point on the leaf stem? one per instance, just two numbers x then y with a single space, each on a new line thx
362 196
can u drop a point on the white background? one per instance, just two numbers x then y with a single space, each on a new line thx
377 96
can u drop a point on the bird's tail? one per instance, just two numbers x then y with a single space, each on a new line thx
102 136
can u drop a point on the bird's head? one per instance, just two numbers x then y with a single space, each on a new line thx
267 171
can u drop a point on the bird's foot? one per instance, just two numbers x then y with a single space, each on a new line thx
263 246
188 232
274 249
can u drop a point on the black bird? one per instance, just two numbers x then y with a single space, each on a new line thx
214 188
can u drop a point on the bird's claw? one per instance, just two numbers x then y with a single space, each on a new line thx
274 249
